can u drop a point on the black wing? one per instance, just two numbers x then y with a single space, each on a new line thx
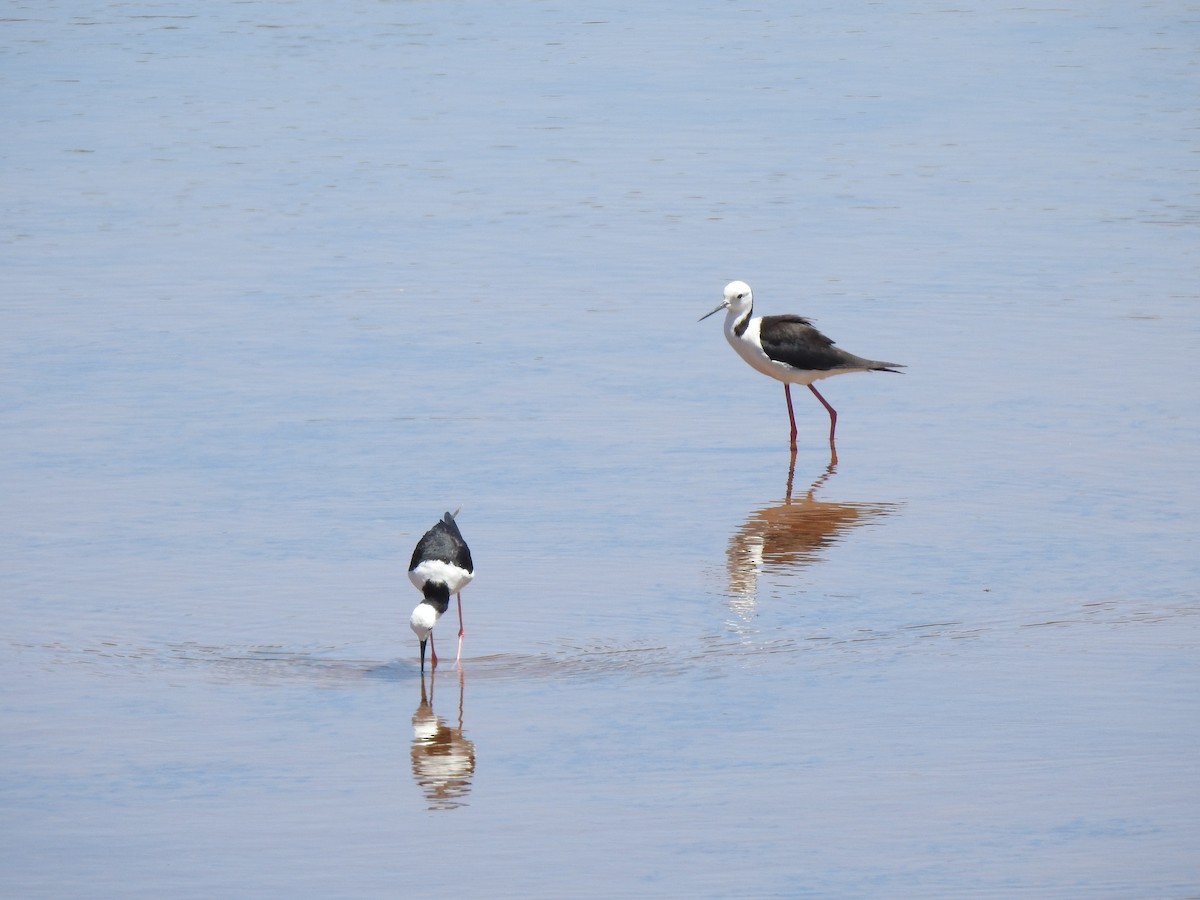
445 542
793 340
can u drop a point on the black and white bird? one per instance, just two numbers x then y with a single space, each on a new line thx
441 565
788 349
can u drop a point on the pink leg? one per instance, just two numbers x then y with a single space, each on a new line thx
432 652
787 392
832 413
460 629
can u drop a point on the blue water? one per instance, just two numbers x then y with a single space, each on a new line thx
284 282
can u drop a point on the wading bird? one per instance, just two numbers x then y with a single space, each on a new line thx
788 349
441 565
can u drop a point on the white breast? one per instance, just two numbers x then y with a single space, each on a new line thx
748 348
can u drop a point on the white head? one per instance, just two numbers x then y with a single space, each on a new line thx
424 617
738 298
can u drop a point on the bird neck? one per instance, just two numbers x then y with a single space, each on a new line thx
741 321
437 595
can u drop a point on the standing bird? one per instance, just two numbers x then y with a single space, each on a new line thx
441 565
789 349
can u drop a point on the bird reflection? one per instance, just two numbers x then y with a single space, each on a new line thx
790 536
443 761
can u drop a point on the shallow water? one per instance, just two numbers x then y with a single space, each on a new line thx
284 282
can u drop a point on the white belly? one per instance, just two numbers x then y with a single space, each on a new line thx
747 348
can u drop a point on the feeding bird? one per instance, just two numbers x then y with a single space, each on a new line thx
789 349
441 565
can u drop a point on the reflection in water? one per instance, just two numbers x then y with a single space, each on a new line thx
443 761
790 536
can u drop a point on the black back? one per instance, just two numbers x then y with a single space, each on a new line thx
793 340
444 542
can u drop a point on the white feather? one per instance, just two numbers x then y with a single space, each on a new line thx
455 578
424 617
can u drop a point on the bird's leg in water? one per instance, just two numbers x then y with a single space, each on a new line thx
832 413
458 658
787 392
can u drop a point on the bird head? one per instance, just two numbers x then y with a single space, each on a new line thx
424 617
738 298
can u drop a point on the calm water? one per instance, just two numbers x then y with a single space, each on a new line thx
282 282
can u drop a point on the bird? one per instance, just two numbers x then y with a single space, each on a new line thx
441 565
789 349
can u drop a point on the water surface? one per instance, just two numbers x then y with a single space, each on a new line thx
284 282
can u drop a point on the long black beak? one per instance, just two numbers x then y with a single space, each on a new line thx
423 643
714 312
